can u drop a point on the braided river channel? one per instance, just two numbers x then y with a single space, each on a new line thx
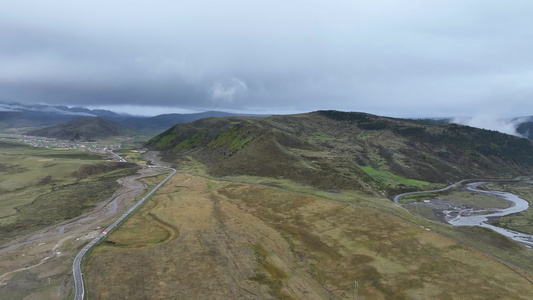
480 218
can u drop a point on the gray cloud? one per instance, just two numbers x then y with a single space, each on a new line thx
229 91
400 58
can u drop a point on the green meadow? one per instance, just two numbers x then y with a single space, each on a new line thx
40 187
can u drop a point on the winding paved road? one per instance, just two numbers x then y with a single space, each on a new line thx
397 197
76 267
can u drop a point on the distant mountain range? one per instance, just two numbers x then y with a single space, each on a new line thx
84 129
14 115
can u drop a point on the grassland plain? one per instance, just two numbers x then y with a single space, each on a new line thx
475 200
23 272
38 265
42 187
28 171
457 198
199 238
133 156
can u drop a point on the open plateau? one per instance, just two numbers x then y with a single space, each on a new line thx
320 205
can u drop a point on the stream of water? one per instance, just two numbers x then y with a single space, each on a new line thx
480 219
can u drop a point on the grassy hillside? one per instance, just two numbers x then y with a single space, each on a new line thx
334 150
199 238
84 129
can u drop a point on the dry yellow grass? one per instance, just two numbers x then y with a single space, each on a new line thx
203 239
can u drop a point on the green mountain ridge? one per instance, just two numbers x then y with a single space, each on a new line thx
347 150
84 129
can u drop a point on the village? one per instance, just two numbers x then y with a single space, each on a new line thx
103 147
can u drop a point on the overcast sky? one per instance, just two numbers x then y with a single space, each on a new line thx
409 58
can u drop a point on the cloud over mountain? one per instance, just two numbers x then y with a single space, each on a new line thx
414 58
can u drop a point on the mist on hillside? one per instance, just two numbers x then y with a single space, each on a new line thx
503 125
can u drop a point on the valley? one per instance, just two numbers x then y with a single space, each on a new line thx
282 207
277 150
465 207
44 222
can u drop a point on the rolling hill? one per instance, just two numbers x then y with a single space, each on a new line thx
162 122
84 129
347 150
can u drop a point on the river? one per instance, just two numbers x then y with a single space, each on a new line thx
480 219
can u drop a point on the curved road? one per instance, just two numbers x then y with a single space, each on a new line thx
76 267
397 197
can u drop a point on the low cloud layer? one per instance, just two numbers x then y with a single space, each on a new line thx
410 58
491 123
